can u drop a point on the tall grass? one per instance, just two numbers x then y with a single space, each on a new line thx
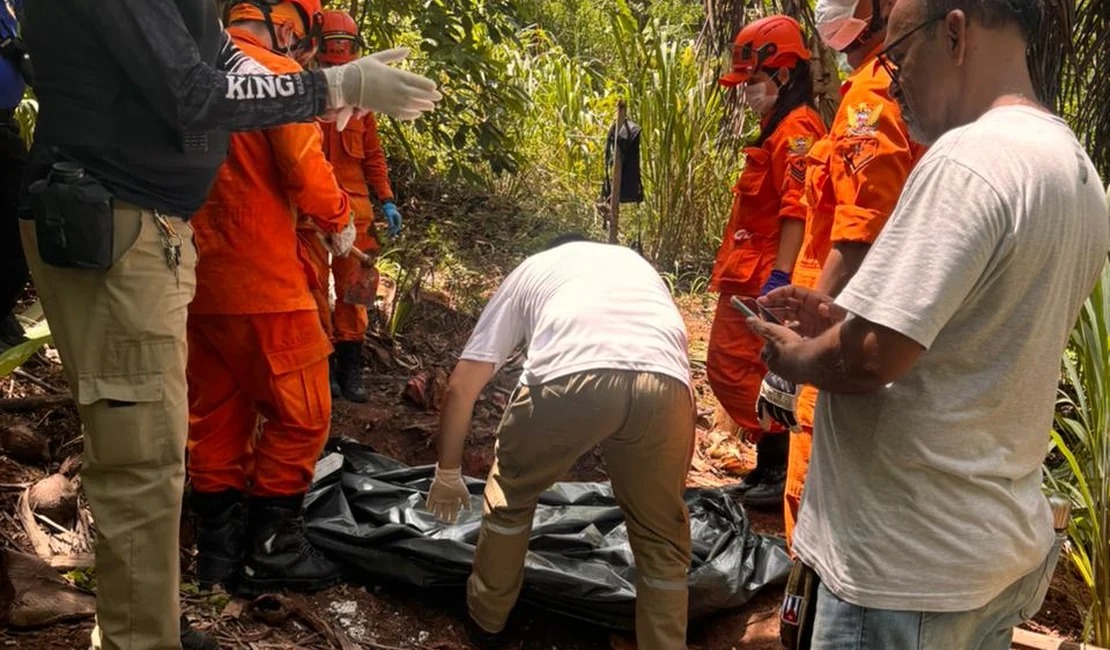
671 93
1082 439
687 170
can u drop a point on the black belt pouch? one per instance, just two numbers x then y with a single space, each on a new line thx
73 222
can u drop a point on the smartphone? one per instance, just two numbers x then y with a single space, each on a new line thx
738 303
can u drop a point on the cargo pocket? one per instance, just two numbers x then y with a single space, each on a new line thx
352 138
299 383
126 422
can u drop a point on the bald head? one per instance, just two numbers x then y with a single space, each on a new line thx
956 59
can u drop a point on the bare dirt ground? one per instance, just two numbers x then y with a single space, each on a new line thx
405 377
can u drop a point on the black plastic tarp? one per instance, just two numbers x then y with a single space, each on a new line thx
369 513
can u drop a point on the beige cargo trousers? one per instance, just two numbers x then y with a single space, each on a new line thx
644 423
121 336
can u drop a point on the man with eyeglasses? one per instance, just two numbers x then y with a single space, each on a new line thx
854 177
938 362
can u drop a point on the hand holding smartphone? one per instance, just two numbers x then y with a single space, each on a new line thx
738 303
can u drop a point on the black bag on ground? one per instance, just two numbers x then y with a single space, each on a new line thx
73 218
367 510
799 607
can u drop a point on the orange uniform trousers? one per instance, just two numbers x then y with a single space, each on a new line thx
346 322
735 369
244 365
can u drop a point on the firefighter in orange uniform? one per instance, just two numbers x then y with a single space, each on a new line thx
854 178
764 233
360 167
256 347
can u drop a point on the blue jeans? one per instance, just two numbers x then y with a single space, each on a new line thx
843 626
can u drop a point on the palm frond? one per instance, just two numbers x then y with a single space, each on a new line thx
1084 98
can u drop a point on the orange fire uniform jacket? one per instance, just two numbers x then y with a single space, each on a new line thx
357 156
769 189
359 162
255 343
246 230
854 178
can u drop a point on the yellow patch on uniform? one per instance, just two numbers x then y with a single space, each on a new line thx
799 145
863 118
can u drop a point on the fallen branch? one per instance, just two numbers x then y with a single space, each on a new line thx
40 541
32 594
72 562
23 374
276 609
22 444
53 524
35 402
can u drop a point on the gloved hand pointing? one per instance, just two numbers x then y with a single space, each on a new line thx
370 83
447 495
392 217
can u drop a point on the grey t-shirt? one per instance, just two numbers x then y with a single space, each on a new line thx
925 495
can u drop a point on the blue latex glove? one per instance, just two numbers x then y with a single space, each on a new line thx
778 279
392 217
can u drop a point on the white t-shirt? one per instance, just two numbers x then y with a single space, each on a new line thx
925 495
583 306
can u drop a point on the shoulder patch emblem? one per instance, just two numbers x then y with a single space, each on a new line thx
863 117
799 145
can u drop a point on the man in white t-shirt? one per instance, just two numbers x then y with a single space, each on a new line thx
606 365
923 514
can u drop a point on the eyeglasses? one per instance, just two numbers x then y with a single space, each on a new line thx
888 63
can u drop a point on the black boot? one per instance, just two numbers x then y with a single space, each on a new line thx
349 370
221 520
11 332
278 555
770 454
333 377
483 640
192 639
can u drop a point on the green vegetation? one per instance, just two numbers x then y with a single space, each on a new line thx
1082 440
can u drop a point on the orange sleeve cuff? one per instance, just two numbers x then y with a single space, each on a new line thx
852 223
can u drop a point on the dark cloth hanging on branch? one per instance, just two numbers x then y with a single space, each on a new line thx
632 187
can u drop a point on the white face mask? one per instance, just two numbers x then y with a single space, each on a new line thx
758 99
837 24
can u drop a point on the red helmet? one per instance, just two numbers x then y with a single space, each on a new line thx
771 42
309 12
340 41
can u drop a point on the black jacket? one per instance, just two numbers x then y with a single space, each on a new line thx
137 92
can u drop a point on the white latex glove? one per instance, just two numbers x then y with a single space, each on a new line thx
341 242
447 495
370 83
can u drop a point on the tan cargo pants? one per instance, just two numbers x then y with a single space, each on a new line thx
121 336
644 423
